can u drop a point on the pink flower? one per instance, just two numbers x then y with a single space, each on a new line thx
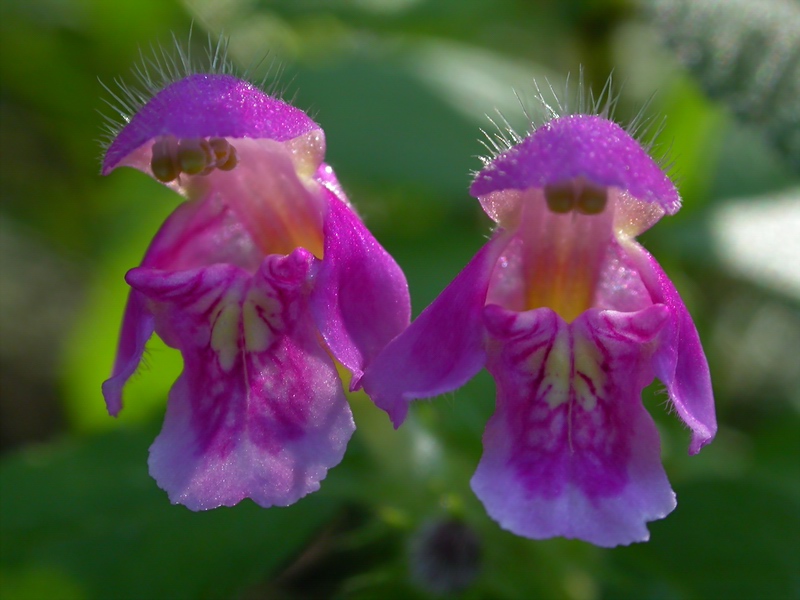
573 318
262 279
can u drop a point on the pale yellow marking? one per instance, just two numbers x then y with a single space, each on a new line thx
587 361
558 370
633 216
562 371
225 334
307 152
258 336
256 332
259 315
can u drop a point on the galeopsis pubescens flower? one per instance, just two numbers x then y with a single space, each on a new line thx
262 278
573 318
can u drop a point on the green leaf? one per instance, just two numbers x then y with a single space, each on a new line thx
85 518
726 539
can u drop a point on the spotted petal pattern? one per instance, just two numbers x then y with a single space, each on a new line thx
259 410
573 318
262 278
571 451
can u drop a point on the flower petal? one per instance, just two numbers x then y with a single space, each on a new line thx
206 105
573 146
680 362
360 299
259 411
570 450
263 206
201 233
443 347
137 327
222 225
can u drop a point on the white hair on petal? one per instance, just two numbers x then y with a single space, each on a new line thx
164 65
582 101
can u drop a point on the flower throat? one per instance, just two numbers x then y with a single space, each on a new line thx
570 225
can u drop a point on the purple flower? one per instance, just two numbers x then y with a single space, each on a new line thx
264 279
573 318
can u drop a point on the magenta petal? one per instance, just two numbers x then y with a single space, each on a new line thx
197 233
443 347
360 299
209 105
573 146
570 451
680 362
200 233
137 327
259 410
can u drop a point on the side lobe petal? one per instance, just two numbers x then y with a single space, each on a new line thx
443 347
259 410
570 450
137 327
197 233
360 299
680 362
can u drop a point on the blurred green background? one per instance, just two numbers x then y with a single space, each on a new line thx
401 88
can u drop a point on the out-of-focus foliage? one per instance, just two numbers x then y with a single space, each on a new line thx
401 88
745 53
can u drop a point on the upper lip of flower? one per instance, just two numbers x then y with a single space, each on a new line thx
251 159
573 146
203 106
